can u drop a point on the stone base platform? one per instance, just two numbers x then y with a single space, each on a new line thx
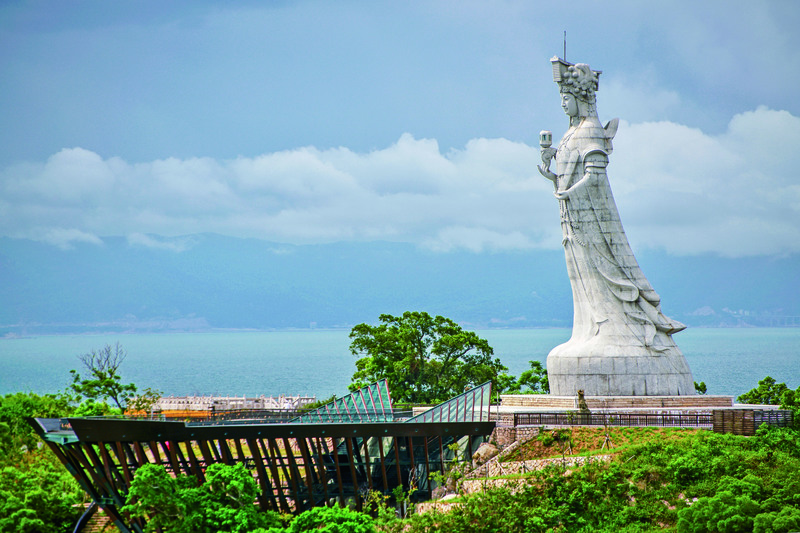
547 402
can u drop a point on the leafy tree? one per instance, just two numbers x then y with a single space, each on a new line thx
16 435
36 492
144 401
700 387
790 399
768 392
104 382
39 496
94 408
532 381
724 513
425 359
224 503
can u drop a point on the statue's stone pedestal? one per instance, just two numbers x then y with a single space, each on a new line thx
614 370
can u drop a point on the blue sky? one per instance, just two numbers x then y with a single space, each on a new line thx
317 121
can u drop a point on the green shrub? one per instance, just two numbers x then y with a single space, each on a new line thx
39 496
224 503
332 520
788 519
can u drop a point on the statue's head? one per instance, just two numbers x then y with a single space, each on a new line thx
578 84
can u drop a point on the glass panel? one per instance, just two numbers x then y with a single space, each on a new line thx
470 406
369 404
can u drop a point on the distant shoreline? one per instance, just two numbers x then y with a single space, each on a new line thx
207 331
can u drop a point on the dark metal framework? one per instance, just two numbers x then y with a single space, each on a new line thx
297 466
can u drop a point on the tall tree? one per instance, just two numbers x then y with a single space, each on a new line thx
425 359
768 392
104 381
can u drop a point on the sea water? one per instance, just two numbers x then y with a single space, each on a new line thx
319 363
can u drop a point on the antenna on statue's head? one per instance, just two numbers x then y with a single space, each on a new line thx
565 45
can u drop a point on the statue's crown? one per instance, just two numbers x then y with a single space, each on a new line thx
576 78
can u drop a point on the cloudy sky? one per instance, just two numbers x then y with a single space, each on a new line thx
414 121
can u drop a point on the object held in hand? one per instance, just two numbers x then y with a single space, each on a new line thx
545 138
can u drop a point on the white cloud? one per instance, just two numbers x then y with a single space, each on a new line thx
677 188
70 177
66 239
180 244
734 194
477 240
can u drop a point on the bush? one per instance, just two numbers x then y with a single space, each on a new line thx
39 496
724 513
332 520
224 503
788 519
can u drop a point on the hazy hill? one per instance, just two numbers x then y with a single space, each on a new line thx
222 282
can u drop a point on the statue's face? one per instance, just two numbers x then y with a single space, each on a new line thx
569 104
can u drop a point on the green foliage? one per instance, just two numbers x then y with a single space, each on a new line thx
332 520
454 471
385 517
224 503
790 399
700 387
690 481
425 359
723 513
16 435
768 392
402 499
783 440
548 438
38 495
319 403
532 381
104 382
144 401
36 491
94 408
783 521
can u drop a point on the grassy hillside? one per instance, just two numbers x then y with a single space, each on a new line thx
657 480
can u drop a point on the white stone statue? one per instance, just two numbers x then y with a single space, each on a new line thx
621 342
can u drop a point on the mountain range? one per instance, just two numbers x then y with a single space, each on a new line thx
211 282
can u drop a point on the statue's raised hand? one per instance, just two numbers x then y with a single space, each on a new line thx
547 156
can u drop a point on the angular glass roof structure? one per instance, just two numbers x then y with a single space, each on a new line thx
336 453
470 406
369 404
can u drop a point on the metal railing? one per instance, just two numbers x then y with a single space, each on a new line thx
241 416
578 418
773 417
